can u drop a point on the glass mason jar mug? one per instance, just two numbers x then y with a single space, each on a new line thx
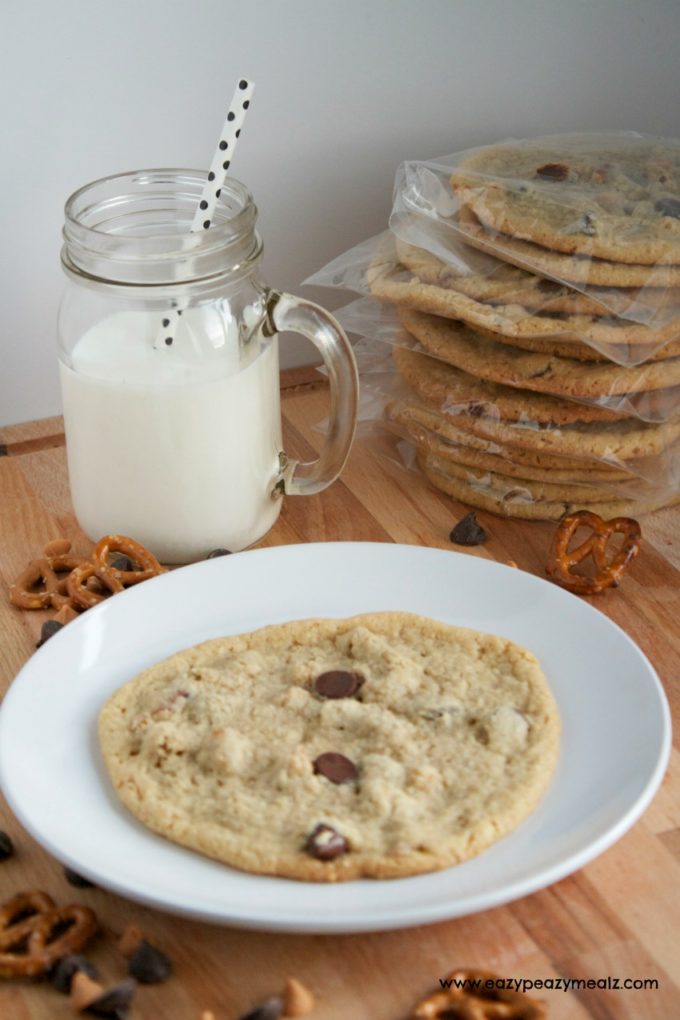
169 369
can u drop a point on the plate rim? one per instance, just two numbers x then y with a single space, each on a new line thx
404 916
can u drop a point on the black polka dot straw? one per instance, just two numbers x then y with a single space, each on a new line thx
229 135
204 214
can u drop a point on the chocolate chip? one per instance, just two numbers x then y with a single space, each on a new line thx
115 1002
6 846
336 767
549 286
468 531
149 965
48 630
61 975
588 224
325 843
475 409
79 881
218 552
270 1009
122 562
668 207
553 172
338 683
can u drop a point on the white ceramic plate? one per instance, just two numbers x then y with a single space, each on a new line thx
615 736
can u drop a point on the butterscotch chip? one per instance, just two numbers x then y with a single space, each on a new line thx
57 547
65 615
453 736
84 991
130 940
297 998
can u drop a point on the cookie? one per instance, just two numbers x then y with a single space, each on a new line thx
429 429
382 745
504 284
511 488
492 290
620 354
556 265
485 498
616 200
456 392
509 464
517 321
614 443
462 346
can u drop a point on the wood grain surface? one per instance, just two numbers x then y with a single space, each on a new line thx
617 918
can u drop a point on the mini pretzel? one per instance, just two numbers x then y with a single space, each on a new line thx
608 574
25 592
148 564
468 1002
85 596
39 586
79 583
34 933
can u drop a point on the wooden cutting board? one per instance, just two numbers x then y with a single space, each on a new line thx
617 919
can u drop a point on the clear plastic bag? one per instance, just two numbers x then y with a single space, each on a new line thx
556 189
650 392
488 454
523 313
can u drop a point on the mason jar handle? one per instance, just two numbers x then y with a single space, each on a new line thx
295 315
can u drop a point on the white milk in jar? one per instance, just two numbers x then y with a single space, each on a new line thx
174 448
168 349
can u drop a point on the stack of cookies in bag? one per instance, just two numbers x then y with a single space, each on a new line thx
540 324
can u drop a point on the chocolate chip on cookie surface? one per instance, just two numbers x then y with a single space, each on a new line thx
338 683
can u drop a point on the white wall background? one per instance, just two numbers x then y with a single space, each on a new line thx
345 90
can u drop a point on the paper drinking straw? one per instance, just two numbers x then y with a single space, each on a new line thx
219 168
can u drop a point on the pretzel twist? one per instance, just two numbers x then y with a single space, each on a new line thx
111 579
61 579
148 564
469 998
39 586
82 593
609 572
34 933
